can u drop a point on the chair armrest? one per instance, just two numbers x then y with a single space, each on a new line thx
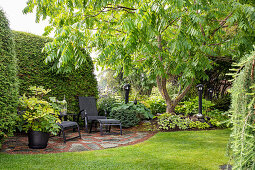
105 113
85 113
74 115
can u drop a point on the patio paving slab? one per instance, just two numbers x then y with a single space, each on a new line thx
18 144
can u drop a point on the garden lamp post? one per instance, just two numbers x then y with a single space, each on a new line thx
200 93
127 89
210 93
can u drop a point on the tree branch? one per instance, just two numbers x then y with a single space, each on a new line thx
217 43
127 9
170 23
252 69
202 29
222 23
121 7
179 97
221 58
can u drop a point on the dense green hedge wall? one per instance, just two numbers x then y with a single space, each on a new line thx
8 79
33 71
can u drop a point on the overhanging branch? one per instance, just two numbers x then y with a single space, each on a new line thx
222 23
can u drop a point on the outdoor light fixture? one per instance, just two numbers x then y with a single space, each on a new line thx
200 93
210 93
127 89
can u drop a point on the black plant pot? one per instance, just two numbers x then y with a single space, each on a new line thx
37 139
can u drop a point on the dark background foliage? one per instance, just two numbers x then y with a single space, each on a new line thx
8 79
33 71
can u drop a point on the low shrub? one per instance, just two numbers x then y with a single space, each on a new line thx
198 125
219 118
156 105
38 113
222 103
168 121
190 107
130 114
215 122
106 104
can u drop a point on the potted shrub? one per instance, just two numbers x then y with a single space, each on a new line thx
40 117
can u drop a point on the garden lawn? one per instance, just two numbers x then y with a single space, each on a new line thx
166 150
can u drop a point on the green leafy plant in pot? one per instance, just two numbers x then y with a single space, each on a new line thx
40 117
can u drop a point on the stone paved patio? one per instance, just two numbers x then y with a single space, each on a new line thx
89 141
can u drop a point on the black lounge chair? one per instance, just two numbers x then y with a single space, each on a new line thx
89 113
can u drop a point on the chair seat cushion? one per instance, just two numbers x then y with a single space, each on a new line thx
109 121
65 124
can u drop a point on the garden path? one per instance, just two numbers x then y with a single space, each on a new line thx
89 141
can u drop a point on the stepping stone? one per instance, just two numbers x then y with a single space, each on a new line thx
123 142
86 138
142 133
60 146
128 132
127 136
21 144
77 147
109 145
100 138
111 140
87 141
138 137
49 150
93 146
131 140
5 150
24 150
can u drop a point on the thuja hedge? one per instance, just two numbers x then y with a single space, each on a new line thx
8 79
33 71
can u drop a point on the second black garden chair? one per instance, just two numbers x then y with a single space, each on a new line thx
66 124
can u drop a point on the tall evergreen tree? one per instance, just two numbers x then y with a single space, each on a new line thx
8 79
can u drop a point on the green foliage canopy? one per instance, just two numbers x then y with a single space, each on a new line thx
8 79
165 38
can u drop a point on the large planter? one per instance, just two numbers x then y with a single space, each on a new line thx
37 139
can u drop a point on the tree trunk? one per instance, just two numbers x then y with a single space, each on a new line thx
170 103
161 82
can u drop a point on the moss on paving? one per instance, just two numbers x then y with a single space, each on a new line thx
165 150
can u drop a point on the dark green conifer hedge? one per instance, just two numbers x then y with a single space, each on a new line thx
8 79
33 71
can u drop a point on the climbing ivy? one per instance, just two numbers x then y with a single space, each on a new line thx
8 79
33 71
243 115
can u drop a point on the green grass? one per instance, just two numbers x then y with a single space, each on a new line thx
167 150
